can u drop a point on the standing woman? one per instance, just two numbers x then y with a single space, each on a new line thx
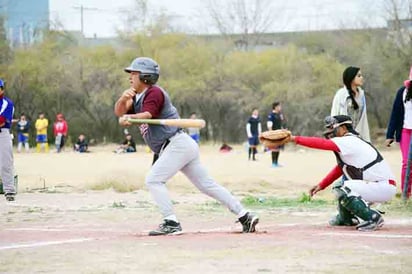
400 126
350 100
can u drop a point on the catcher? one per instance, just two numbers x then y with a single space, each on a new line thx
368 177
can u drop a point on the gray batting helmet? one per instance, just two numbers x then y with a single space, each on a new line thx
148 68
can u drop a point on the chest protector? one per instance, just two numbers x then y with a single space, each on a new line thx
356 173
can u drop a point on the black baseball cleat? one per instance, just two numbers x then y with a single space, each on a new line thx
10 197
371 225
168 227
249 222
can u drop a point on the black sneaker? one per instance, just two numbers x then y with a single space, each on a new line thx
10 197
168 227
249 221
371 225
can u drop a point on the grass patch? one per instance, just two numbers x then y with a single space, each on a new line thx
118 205
398 205
395 206
115 185
34 210
303 200
209 207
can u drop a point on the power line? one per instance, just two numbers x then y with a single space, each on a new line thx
81 8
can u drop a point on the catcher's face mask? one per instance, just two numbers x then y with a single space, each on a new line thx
332 124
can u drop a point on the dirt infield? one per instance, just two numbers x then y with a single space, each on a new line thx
59 225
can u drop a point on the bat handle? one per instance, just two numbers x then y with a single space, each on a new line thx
124 120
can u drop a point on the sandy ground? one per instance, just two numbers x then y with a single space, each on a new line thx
301 169
59 225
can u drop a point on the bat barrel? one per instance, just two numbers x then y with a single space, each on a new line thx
183 123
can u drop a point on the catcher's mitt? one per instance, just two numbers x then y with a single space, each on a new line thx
275 138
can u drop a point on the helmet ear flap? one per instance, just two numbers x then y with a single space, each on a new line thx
148 78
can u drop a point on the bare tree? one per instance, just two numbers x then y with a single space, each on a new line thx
246 19
143 19
5 51
136 18
399 18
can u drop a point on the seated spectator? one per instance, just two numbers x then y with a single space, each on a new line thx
127 146
81 145
225 148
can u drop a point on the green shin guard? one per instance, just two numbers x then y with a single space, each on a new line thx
344 217
372 218
358 207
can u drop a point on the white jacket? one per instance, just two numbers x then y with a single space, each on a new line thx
342 105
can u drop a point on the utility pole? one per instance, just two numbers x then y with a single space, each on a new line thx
81 8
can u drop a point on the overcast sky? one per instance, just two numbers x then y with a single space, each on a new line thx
103 17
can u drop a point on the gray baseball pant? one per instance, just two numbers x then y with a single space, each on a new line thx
182 154
6 161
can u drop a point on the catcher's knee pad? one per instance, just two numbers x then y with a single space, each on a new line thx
341 191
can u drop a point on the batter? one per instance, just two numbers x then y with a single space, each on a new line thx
174 150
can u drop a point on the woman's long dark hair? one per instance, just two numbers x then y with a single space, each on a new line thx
352 97
409 92
348 75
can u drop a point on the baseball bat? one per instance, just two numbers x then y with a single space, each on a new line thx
183 123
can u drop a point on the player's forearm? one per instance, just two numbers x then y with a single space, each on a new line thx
125 102
316 142
141 115
121 107
248 132
333 175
